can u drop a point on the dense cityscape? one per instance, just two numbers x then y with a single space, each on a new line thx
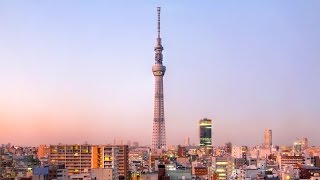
128 159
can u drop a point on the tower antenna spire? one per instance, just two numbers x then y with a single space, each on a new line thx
158 9
158 69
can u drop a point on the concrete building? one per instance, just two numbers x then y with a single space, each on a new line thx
112 156
205 132
239 152
43 151
104 160
57 172
123 161
104 174
82 176
305 143
186 141
293 161
223 167
297 147
267 138
76 158
228 148
158 133
80 159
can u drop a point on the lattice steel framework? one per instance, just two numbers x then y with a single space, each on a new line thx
159 133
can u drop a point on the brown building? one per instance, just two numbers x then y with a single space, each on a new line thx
291 160
123 161
112 156
82 158
182 151
43 151
76 158
162 175
307 172
316 161
200 171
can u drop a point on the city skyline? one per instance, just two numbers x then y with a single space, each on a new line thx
77 71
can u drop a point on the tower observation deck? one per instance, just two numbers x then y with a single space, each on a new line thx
158 69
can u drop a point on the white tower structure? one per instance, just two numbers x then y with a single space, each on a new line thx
159 133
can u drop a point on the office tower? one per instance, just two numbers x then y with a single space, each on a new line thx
159 134
43 151
76 158
228 147
268 138
112 156
305 143
105 159
123 161
186 141
297 146
205 132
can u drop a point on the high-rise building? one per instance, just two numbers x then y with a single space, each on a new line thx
112 156
268 138
105 157
305 143
43 151
123 161
297 147
223 167
159 134
82 158
205 132
186 141
228 147
76 158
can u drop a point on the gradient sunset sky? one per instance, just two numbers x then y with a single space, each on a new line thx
78 70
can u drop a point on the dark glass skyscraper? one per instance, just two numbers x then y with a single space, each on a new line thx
205 132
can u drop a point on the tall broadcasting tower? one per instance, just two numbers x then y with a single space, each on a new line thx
159 129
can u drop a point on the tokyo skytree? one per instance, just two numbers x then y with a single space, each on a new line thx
159 129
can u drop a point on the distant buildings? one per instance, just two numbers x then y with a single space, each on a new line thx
267 138
228 148
135 144
300 145
239 152
186 141
205 132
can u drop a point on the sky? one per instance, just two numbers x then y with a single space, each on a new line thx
80 71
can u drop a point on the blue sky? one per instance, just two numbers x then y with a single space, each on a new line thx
75 71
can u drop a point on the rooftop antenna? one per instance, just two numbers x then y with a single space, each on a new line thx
158 9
